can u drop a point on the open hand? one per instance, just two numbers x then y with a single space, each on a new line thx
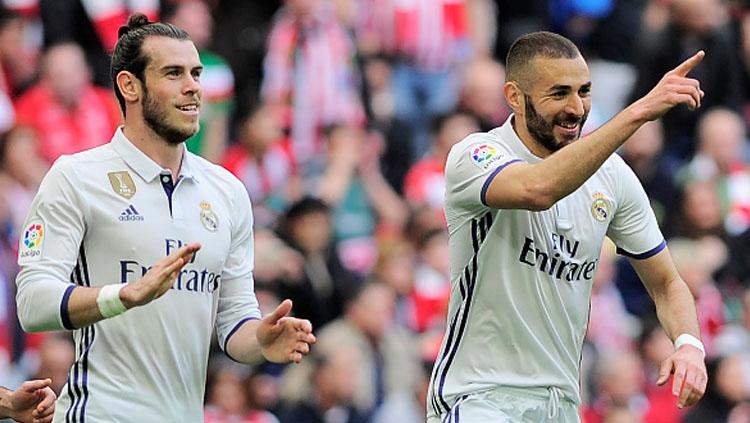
159 278
282 338
690 377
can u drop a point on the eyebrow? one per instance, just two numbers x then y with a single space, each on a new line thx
168 68
561 87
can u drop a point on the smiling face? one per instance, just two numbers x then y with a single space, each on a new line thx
171 88
552 105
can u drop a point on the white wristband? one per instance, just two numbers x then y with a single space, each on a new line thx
109 301
688 339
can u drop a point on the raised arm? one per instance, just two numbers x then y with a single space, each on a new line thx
676 310
540 185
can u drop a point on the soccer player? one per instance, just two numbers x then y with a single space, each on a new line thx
143 249
32 402
528 205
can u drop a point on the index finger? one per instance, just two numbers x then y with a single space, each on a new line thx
33 385
683 68
185 251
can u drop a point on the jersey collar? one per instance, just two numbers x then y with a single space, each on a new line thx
507 133
143 165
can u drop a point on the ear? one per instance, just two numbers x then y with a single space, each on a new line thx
514 97
129 86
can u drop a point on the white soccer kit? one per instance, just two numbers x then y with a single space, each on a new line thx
104 216
521 280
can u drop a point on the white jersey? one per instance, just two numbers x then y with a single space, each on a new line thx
104 216
521 280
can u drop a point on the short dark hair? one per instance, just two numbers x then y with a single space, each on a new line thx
128 54
542 43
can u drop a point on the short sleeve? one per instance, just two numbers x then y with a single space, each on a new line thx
237 301
49 249
634 228
472 165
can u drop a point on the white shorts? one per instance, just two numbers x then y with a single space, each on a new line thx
510 405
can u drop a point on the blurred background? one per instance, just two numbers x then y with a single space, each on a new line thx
337 115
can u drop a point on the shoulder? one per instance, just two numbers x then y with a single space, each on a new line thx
216 175
88 159
483 150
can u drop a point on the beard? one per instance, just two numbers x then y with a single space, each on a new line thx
542 131
156 119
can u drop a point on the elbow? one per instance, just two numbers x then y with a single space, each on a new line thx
29 323
539 197
33 316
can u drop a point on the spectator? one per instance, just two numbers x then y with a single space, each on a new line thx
654 346
382 118
388 357
694 265
735 336
432 285
611 327
695 25
424 185
720 160
727 388
699 211
17 64
482 94
56 356
642 153
310 76
21 172
319 295
262 161
409 406
68 113
226 397
335 376
217 80
92 24
395 268
363 202
432 41
621 381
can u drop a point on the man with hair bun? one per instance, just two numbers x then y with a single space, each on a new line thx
528 205
144 249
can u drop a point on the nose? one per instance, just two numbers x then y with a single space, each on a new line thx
575 106
191 85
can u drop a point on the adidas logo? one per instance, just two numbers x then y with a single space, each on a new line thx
130 215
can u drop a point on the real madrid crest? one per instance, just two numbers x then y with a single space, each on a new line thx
122 183
209 219
600 207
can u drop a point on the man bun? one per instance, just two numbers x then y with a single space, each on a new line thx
136 20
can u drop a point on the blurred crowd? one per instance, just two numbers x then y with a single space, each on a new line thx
338 115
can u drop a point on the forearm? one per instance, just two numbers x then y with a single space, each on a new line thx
6 408
567 169
243 345
335 182
388 205
675 308
216 136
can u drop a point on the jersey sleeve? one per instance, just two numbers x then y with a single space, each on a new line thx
633 228
49 250
237 301
471 167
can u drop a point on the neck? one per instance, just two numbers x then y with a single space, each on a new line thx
165 154
537 149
